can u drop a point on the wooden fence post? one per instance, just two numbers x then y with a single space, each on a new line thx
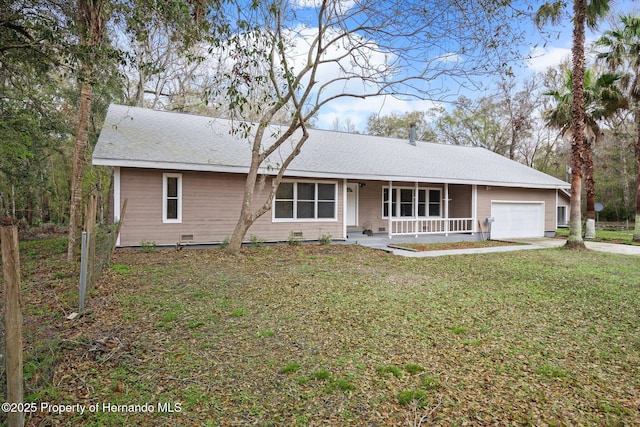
90 228
12 320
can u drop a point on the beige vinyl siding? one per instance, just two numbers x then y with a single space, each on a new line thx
370 207
488 194
460 201
210 208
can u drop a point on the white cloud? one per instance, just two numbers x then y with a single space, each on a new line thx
340 60
540 59
315 4
449 57
330 77
356 110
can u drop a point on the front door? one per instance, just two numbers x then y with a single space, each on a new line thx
352 204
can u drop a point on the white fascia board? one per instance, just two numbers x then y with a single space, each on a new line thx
145 164
312 174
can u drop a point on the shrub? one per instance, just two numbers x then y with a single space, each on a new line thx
147 245
256 241
325 239
293 239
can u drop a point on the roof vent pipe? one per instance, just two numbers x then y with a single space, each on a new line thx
412 134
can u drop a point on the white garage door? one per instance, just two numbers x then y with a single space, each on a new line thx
513 220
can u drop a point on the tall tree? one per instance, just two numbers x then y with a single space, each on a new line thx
623 55
90 22
398 125
584 13
478 122
166 62
32 124
366 48
602 99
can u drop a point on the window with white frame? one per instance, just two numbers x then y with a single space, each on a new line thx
428 203
305 201
562 216
172 197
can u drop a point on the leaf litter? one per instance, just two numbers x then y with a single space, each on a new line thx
299 335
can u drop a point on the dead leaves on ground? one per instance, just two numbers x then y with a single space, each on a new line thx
334 335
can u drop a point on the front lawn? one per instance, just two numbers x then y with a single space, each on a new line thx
608 236
342 335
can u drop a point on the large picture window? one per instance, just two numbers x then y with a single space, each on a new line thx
428 203
171 197
305 201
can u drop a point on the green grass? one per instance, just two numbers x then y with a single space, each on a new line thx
607 236
343 335
322 374
430 382
412 396
290 368
389 369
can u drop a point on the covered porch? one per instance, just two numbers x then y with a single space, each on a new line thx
393 209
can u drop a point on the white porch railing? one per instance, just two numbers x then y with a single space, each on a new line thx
418 226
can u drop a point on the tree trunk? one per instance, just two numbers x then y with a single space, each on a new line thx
624 182
91 24
577 125
590 187
246 218
82 140
636 231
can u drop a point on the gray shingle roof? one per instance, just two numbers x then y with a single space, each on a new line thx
138 137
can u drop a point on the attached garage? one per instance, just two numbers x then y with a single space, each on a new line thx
517 219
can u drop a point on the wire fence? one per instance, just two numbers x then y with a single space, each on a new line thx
98 244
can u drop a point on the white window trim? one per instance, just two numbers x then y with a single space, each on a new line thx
116 199
295 199
166 220
426 189
566 216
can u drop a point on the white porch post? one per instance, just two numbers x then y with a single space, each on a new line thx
415 208
344 208
474 208
446 209
116 198
389 204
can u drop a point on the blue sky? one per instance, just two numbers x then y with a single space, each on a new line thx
354 111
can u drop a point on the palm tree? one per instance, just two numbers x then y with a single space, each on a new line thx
583 14
623 53
602 99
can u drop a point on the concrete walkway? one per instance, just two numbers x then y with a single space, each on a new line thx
522 245
613 248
